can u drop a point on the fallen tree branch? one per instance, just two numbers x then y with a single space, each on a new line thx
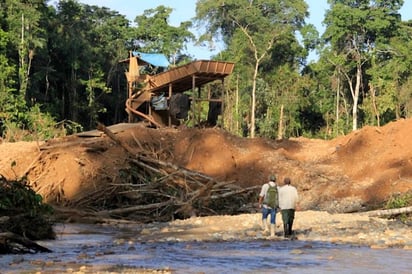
227 194
26 172
203 191
132 209
151 188
185 171
388 212
13 243
113 136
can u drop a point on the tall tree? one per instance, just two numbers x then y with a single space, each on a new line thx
26 34
153 33
403 64
391 74
23 37
6 82
251 27
354 30
87 44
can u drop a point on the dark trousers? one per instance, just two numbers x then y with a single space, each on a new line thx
288 215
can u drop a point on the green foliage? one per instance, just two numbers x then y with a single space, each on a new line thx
260 36
285 87
26 36
17 197
154 34
399 200
32 125
42 125
358 34
29 216
64 65
93 84
12 111
6 72
221 19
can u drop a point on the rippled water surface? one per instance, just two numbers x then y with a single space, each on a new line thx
96 247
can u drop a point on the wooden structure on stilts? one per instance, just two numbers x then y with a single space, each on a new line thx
172 96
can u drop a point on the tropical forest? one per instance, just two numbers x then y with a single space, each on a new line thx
62 71
328 110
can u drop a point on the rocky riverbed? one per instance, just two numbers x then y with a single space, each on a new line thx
333 243
353 228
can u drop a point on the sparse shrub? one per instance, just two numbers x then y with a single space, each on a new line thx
398 201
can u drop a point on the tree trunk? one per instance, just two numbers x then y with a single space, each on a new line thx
337 106
280 128
23 69
388 212
238 115
355 96
252 119
375 108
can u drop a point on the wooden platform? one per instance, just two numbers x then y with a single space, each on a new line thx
196 73
113 128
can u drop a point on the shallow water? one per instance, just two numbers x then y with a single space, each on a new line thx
94 249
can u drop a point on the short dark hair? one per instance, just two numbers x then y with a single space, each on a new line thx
272 178
287 181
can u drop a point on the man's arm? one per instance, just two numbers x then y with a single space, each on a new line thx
262 195
260 201
297 207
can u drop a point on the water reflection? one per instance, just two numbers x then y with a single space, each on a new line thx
97 247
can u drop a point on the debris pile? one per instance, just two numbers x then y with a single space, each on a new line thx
24 218
153 189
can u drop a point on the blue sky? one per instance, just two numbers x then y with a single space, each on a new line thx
184 10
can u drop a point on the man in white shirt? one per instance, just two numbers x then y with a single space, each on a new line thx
288 199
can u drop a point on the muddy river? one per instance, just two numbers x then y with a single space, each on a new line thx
98 249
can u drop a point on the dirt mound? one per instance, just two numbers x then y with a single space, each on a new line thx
349 173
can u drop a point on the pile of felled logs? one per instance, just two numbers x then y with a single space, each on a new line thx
156 190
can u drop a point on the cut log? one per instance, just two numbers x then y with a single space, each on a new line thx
388 212
132 209
15 244
113 136
164 190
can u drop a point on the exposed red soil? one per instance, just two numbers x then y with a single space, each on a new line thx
362 169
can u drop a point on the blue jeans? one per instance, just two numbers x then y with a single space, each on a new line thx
266 211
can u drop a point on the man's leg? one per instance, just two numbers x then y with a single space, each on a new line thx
265 213
285 222
272 222
290 221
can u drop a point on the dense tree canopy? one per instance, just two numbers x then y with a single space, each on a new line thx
61 68
253 32
154 34
358 33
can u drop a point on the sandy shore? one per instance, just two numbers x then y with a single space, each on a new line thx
357 229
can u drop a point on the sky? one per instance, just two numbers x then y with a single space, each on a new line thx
185 10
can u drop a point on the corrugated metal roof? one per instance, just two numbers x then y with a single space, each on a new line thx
155 59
